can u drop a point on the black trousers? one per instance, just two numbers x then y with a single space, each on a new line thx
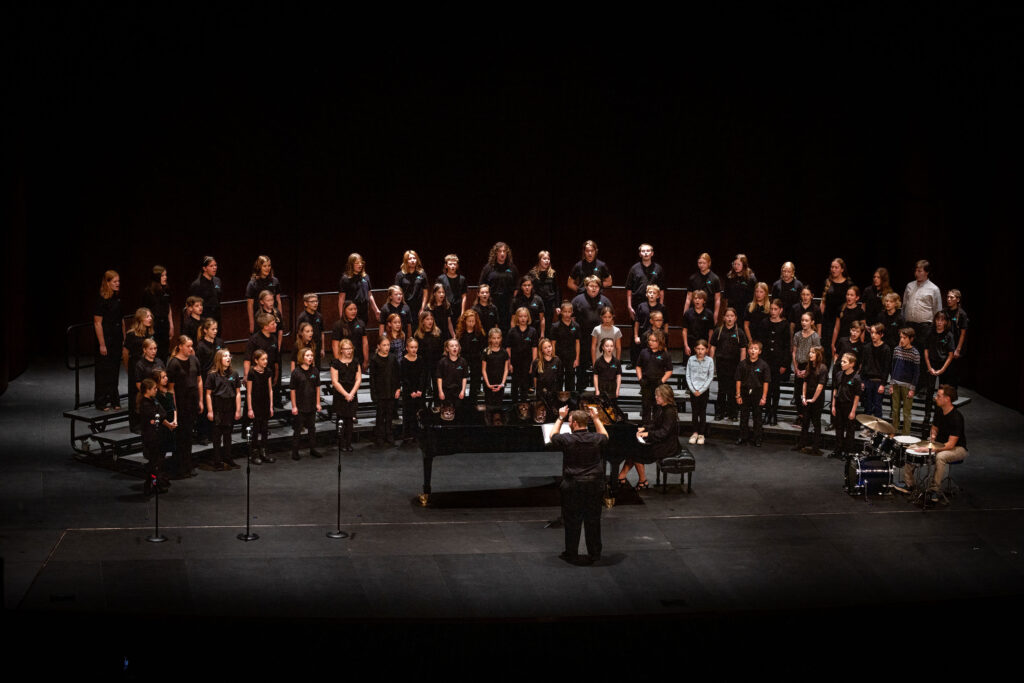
304 422
476 380
725 405
647 403
260 430
520 385
108 370
153 451
384 429
699 405
223 421
845 428
775 390
798 387
585 368
410 406
751 404
567 374
133 406
345 411
581 511
812 417
161 334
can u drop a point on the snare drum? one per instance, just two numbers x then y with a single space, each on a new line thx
915 457
899 458
870 476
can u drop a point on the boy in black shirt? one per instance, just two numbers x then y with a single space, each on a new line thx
312 315
192 318
751 391
877 359
454 285
641 276
845 397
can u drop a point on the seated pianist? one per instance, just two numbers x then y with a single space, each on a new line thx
661 436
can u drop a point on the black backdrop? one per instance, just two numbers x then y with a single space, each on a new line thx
151 136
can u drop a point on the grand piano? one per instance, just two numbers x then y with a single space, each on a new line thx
468 433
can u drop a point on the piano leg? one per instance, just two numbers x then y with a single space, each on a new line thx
428 465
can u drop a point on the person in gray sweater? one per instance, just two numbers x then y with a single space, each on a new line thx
700 370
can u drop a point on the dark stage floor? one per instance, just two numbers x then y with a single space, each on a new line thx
768 540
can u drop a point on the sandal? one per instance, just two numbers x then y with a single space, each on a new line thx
624 483
642 485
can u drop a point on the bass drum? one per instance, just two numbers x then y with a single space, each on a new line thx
870 476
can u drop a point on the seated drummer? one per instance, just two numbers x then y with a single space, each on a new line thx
947 429
661 435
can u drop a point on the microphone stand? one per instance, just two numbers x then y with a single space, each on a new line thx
338 533
248 535
157 537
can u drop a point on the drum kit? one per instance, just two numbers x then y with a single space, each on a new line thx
870 472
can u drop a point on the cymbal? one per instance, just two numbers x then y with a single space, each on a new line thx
927 445
876 424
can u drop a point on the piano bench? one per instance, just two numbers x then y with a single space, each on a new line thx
682 464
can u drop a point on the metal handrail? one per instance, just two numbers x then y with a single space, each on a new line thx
284 319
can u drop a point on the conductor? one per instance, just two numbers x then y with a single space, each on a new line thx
582 482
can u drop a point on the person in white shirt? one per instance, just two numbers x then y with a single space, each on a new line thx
921 301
